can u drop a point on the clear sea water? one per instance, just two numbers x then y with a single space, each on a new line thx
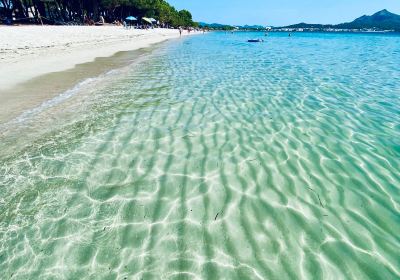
212 158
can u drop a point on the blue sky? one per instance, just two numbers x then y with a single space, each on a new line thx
283 12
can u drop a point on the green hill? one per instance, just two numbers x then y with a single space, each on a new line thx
382 20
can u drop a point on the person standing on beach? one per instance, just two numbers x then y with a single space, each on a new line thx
180 31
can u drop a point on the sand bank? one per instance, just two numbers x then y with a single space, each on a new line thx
27 52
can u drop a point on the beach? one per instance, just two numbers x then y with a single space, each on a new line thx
205 157
27 52
40 62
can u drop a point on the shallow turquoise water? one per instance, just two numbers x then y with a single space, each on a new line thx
212 158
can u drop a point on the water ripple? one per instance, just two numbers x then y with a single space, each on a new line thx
213 159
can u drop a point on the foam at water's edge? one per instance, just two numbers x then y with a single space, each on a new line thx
88 82
54 101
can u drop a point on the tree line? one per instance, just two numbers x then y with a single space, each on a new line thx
77 11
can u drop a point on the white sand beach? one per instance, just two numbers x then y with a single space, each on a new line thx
27 52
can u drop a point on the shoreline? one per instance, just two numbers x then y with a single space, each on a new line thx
27 52
32 75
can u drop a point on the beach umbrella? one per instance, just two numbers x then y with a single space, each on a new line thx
147 20
131 18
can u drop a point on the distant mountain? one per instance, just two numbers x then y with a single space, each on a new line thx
307 25
219 26
252 27
216 26
382 20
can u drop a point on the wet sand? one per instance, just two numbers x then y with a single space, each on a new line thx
32 93
38 63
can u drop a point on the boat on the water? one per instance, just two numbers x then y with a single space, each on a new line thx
255 41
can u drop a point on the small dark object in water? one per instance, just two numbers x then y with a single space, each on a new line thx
216 216
255 41
319 199
320 203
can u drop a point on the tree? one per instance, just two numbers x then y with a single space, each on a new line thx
185 17
7 7
62 11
